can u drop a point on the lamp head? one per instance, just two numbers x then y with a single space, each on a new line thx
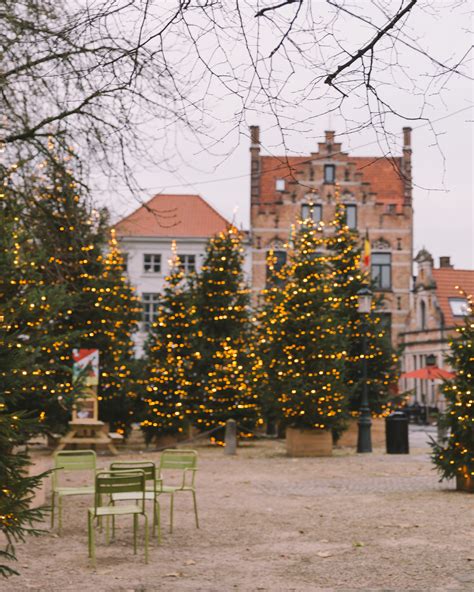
364 300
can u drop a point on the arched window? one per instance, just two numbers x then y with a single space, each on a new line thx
423 315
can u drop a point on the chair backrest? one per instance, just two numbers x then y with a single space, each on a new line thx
147 466
74 460
110 482
178 459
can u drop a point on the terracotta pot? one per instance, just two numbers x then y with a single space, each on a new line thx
349 437
306 442
465 483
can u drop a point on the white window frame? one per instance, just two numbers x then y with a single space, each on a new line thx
187 263
150 302
153 261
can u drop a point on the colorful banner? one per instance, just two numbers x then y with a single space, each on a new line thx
86 360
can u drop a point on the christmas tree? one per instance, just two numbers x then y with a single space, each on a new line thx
308 362
455 457
265 346
41 379
222 339
102 311
346 279
168 359
27 307
120 312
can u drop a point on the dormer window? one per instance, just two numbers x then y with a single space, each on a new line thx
459 307
329 173
280 184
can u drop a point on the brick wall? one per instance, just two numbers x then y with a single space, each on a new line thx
379 188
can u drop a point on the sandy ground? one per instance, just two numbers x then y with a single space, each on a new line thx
268 522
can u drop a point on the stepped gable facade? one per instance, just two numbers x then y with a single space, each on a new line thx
377 193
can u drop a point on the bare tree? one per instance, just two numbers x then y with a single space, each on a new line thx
113 76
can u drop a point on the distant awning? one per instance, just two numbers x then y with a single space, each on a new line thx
429 373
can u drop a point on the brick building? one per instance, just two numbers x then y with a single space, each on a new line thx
377 193
438 306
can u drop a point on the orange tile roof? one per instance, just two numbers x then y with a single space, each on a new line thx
173 216
382 174
446 281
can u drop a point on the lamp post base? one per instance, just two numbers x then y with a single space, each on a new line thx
364 438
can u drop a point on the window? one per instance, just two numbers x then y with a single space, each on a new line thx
125 262
275 266
280 184
329 173
382 270
459 307
423 315
152 263
150 302
187 263
351 216
312 211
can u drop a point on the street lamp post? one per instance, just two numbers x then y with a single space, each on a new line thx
364 439
430 361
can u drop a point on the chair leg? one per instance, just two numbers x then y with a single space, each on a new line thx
60 513
92 539
53 496
107 530
135 528
171 512
89 528
195 508
146 537
99 519
158 520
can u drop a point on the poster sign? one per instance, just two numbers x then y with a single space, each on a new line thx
86 360
86 364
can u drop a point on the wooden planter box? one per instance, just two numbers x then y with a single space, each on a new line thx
349 437
306 442
465 484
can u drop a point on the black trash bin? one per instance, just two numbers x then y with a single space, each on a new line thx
396 433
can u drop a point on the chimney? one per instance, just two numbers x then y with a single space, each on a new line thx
445 263
330 137
425 270
406 166
254 164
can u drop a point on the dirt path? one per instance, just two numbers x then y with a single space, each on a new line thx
371 522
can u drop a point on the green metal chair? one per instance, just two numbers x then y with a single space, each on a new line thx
70 460
114 483
152 488
184 461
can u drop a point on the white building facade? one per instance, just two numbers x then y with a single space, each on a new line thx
148 236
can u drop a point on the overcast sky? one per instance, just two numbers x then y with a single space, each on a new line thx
218 166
